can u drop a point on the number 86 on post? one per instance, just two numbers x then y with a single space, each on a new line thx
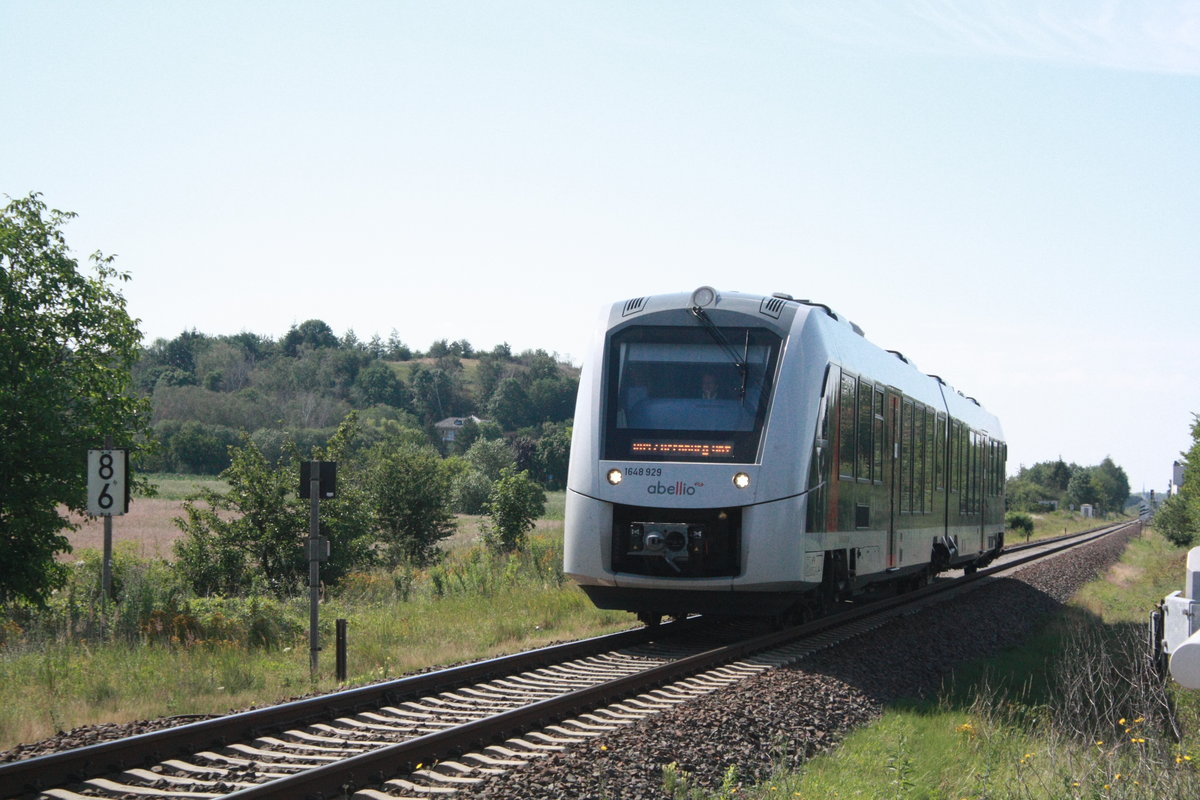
107 487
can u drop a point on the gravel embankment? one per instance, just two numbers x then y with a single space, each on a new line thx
787 715
782 716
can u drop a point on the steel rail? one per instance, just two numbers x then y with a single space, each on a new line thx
377 766
1014 548
72 766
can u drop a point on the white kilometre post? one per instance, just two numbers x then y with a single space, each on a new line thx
107 498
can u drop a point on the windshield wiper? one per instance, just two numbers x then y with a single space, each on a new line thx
719 338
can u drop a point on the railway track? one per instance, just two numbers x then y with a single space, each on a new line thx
383 741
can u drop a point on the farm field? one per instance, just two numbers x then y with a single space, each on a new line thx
148 530
145 531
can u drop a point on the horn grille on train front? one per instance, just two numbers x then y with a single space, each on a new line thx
633 306
772 306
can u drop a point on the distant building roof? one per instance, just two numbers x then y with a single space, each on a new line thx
450 425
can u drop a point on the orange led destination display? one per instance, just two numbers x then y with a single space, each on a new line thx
683 449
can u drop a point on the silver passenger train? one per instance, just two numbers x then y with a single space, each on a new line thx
750 455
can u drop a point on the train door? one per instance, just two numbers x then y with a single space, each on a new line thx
892 474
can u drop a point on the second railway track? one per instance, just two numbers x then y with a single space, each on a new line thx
489 717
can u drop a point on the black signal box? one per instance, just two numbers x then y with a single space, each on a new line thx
327 475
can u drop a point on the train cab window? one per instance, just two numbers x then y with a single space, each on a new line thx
678 394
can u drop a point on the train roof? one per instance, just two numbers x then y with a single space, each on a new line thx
846 342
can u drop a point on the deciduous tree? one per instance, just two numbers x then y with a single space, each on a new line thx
410 490
515 503
255 532
67 346
1179 516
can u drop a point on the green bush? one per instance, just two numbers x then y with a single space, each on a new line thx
515 503
1019 521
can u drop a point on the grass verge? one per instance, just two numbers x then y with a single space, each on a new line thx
1073 713
159 655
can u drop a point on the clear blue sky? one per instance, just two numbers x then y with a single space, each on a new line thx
1007 192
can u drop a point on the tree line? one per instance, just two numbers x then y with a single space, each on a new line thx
73 374
1052 484
205 391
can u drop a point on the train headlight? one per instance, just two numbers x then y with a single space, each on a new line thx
703 297
614 476
741 480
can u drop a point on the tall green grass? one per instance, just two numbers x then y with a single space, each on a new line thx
157 651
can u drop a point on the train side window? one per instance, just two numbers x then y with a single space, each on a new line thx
956 468
964 463
984 468
991 471
973 475
826 402
865 431
847 452
877 409
939 453
906 457
980 465
919 459
997 470
930 458
965 467
1003 467
951 484
993 459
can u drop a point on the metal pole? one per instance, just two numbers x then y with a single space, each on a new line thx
314 566
341 651
106 566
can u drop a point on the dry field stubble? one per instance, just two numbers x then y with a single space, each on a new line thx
148 528
150 531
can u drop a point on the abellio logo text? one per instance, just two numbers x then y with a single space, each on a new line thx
678 489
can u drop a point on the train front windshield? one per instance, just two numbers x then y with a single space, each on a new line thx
688 394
